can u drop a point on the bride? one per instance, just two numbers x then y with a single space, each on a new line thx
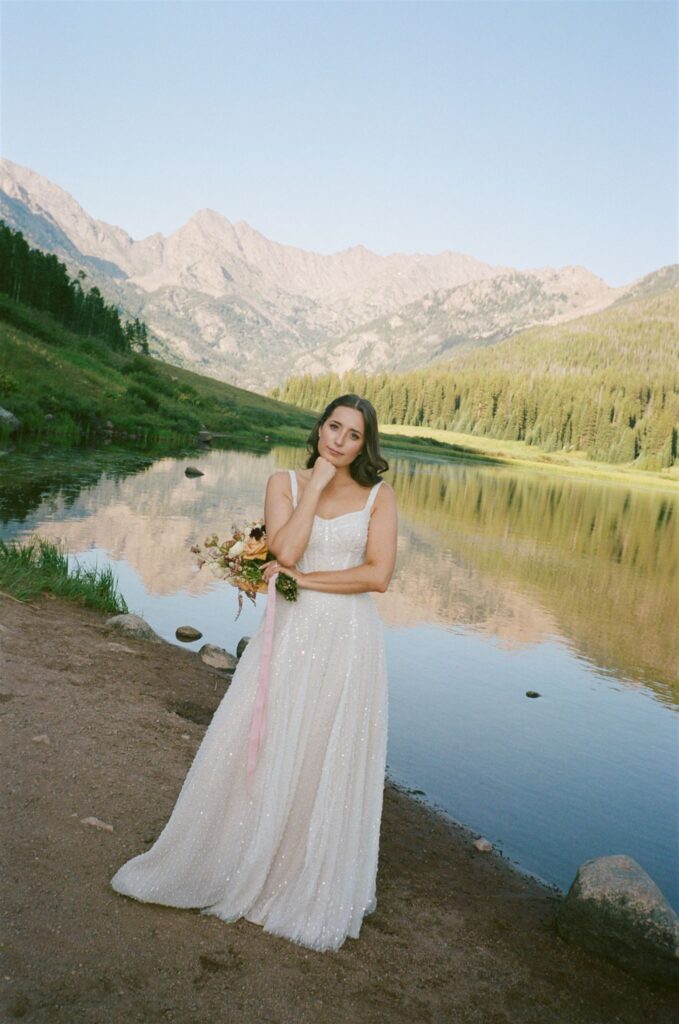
294 848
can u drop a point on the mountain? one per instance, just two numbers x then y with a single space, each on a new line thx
220 297
471 315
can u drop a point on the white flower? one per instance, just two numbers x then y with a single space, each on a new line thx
236 549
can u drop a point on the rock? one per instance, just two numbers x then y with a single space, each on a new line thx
108 425
187 634
121 647
193 471
615 910
9 420
134 626
242 644
217 657
483 845
533 693
97 823
49 417
204 436
42 738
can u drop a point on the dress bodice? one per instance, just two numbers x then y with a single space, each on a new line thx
337 543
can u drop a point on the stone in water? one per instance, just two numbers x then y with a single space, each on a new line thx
188 634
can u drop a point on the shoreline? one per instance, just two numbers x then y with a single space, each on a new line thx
470 835
100 725
494 450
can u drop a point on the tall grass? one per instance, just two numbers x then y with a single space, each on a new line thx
27 570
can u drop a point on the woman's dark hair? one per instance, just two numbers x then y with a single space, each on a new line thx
368 464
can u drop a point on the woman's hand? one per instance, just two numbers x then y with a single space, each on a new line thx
322 473
269 568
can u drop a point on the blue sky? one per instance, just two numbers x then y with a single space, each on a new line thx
522 133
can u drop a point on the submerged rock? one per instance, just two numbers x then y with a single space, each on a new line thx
242 644
615 910
217 657
135 626
187 634
193 471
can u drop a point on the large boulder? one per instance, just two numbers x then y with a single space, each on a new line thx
217 657
134 626
9 421
615 910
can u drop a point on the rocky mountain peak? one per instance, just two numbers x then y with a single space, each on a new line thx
252 310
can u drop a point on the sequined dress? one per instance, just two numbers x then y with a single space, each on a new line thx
298 852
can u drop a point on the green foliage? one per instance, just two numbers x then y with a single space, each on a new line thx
38 280
28 570
60 384
8 384
141 395
606 385
140 365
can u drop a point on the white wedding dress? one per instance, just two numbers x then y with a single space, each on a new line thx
298 852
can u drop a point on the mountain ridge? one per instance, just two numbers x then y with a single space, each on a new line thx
221 297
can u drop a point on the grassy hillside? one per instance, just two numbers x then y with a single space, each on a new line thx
638 337
66 387
59 384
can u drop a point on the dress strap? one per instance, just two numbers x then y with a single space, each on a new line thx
293 487
373 495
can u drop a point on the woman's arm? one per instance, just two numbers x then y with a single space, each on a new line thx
288 529
380 557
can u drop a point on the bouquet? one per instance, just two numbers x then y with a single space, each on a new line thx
239 560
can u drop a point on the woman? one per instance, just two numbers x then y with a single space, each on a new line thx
296 852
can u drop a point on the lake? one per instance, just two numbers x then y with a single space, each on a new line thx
508 580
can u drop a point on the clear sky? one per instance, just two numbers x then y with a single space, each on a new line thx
526 133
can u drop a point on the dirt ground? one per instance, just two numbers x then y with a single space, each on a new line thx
94 724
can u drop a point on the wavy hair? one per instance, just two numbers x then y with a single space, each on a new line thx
368 465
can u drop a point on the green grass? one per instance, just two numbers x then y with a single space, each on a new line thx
521 454
62 386
38 566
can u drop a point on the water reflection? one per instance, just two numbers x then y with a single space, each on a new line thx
515 555
506 581
597 563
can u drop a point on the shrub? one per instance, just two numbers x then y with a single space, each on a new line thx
8 384
141 394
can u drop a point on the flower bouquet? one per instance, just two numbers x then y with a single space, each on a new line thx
239 560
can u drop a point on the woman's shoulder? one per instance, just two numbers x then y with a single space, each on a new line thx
385 496
279 480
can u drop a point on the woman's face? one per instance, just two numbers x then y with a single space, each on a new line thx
342 436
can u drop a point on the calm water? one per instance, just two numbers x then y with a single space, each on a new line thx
507 581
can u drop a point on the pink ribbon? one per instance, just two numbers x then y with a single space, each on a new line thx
258 724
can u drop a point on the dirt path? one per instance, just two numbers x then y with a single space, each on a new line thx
457 936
